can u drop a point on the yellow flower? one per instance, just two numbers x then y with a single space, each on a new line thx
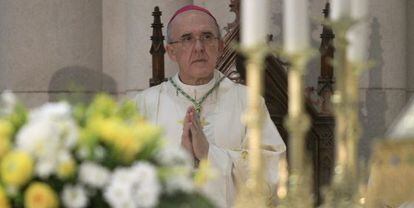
66 169
4 147
204 173
133 139
128 147
110 129
102 105
4 201
107 128
6 129
146 132
126 139
16 168
40 195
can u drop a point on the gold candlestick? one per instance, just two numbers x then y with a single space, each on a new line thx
283 178
344 190
252 193
297 123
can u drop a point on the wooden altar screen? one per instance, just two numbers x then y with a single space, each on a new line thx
320 139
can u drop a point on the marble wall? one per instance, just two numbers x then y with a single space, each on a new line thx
49 47
126 41
410 48
384 87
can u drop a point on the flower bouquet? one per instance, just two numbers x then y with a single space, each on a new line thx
101 155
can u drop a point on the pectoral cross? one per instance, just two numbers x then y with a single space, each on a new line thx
197 108
203 122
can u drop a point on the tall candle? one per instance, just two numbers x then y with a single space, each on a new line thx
358 34
296 26
254 25
340 9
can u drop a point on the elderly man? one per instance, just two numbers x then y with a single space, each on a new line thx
200 108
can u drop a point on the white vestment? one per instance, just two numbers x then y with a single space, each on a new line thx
221 115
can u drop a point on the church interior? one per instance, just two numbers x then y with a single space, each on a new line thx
58 49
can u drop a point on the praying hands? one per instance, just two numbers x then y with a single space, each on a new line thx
193 138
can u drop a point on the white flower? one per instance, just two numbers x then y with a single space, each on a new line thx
39 139
49 131
118 194
146 196
143 171
59 114
138 184
7 102
53 111
68 132
179 183
181 163
171 155
74 196
127 204
146 188
123 175
93 175
64 156
44 168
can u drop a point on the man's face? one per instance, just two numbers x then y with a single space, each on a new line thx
197 60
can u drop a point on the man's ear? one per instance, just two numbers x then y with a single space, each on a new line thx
171 51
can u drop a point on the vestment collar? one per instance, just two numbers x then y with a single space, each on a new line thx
197 91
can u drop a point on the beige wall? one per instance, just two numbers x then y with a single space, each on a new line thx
383 88
126 41
48 44
51 48
220 9
410 47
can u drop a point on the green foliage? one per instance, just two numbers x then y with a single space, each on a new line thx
183 200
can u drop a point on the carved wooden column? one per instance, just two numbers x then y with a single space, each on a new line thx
324 123
157 49
325 80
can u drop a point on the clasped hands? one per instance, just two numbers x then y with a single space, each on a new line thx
193 138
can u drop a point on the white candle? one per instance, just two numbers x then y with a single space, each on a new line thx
340 9
358 34
296 26
254 22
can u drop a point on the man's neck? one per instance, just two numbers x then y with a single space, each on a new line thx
195 81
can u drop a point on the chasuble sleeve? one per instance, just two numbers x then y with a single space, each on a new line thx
233 163
147 102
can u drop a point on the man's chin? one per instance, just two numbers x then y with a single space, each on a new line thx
199 64
202 70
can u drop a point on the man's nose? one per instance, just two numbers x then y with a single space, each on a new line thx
199 45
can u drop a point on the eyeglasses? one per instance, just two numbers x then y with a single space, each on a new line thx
206 39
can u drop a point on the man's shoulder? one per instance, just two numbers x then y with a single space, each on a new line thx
230 86
146 99
151 91
232 89
149 95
